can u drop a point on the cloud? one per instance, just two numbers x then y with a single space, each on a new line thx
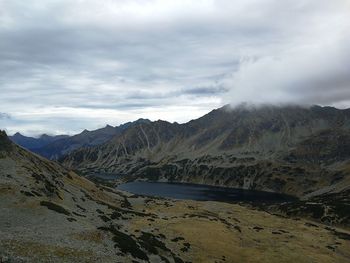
310 67
70 65
305 76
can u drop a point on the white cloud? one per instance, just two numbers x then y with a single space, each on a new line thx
309 67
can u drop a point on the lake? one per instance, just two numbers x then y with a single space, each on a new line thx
202 192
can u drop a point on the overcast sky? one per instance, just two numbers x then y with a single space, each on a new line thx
69 65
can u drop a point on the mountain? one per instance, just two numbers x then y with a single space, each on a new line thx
31 143
49 214
268 148
294 150
60 145
85 138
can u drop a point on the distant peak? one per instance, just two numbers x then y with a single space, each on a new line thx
143 120
85 131
17 134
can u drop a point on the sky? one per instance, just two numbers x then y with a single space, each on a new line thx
66 66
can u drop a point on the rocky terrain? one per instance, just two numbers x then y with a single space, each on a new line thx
48 214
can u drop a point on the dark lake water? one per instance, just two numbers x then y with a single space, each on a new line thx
202 192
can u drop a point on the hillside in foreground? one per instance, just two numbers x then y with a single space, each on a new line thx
51 214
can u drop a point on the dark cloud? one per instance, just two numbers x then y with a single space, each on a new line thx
69 65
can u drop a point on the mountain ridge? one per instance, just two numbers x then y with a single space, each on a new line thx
251 148
32 143
53 147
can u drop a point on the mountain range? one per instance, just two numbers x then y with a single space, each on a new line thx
294 150
53 147
300 151
51 214
32 144
270 148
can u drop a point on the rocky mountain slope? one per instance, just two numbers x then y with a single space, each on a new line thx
289 149
48 214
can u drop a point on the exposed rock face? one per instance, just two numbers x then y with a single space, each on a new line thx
290 149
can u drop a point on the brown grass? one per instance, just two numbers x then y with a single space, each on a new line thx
94 236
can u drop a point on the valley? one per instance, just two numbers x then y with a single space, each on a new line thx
64 211
159 131
51 214
298 151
